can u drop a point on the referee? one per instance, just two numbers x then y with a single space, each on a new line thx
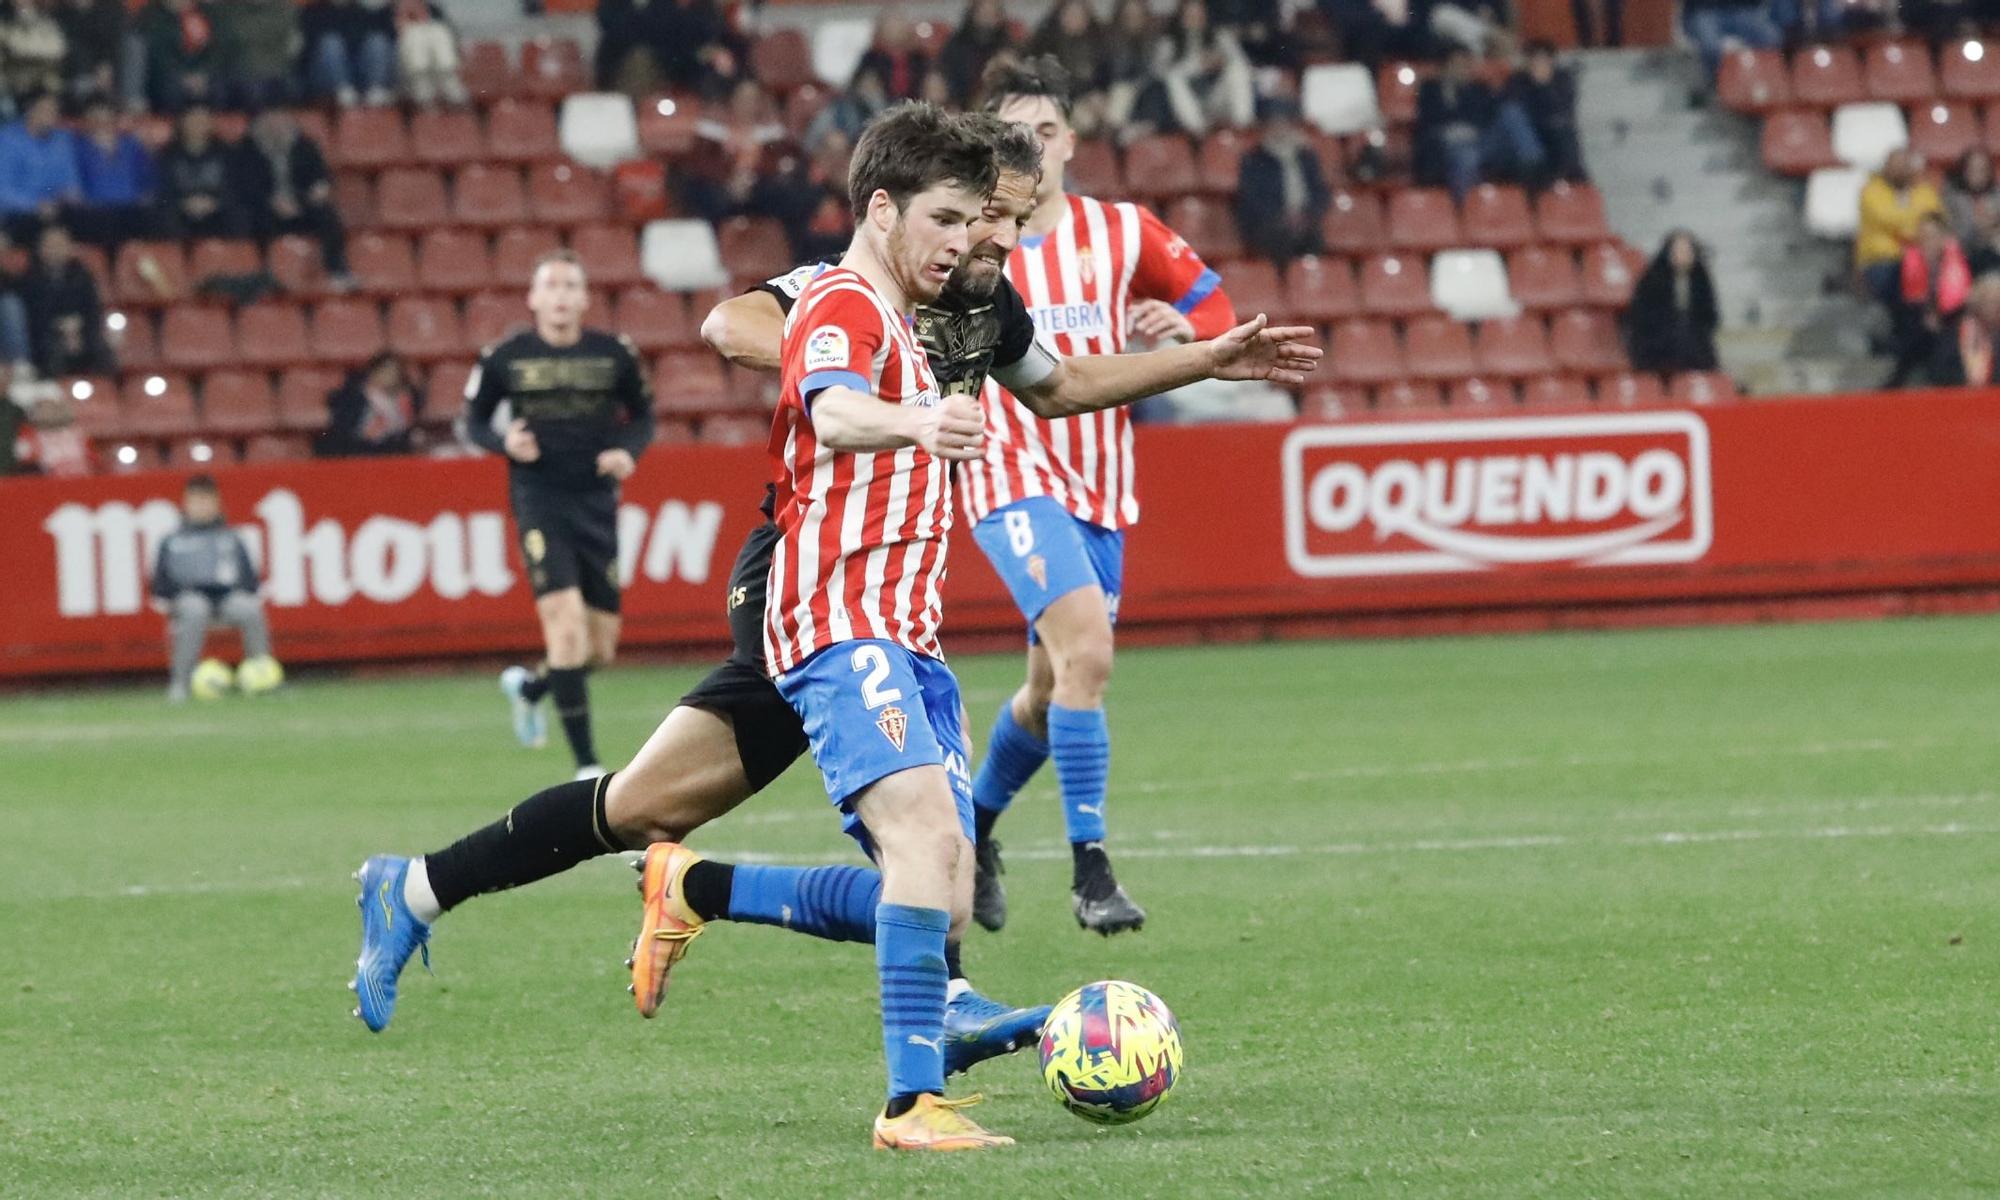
579 414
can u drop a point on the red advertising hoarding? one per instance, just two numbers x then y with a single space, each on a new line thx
389 558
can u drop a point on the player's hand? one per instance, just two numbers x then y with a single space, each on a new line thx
1158 321
954 429
1284 355
616 463
520 444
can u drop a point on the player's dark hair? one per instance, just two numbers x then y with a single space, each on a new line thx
201 483
912 148
1016 149
1041 76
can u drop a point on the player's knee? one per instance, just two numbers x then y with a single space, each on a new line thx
1084 664
602 656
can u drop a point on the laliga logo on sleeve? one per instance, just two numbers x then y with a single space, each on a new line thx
826 348
1581 491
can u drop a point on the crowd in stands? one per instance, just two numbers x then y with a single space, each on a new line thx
1923 250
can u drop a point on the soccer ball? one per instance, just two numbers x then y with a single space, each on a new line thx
259 675
1111 1052
212 677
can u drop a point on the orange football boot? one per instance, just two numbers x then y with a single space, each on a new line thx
935 1123
667 926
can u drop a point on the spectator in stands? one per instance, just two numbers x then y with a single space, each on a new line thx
808 196
65 313
1459 131
1893 201
285 186
1073 37
351 51
971 46
259 38
1591 16
198 196
94 44
1972 197
1670 325
118 179
177 56
34 48
1935 282
1374 30
1260 28
850 112
1282 193
1135 102
895 56
686 45
1544 92
936 88
1714 25
1205 73
202 576
17 348
732 153
1970 353
428 51
37 169
375 411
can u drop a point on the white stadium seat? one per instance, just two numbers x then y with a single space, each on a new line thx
837 46
1340 98
1833 201
1864 134
599 129
1471 285
682 256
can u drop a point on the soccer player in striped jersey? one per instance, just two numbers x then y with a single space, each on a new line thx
1051 498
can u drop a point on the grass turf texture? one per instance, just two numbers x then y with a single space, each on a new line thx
1667 913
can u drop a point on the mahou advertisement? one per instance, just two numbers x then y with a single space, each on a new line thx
410 557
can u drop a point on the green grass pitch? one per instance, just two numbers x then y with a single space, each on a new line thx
1679 913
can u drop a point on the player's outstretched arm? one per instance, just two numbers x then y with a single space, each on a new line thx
1253 350
748 330
846 419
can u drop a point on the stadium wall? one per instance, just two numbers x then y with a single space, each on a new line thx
1248 530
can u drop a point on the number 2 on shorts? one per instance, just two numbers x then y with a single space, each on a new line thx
872 660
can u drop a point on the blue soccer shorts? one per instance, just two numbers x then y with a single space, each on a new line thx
1043 552
872 708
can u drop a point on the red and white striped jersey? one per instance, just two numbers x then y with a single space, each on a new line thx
862 536
1077 281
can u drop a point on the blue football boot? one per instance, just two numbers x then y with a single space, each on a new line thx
976 1029
390 933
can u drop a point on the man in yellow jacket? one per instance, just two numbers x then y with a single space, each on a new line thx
1893 203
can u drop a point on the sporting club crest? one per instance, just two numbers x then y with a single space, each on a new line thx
894 724
1038 570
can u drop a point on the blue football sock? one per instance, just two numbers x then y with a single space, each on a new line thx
835 903
1012 756
909 955
1080 743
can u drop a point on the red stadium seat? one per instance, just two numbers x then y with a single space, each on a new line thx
354 198
1208 225
1094 169
553 67
1423 219
1797 142
1395 285
1438 347
276 447
272 335
1969 69
314 124
195 454
302 397
1410 396
666 126
653 319
490 316
487 197
752 391
1543 277
1396 87
803 106
425 328
149 273
1160 166
610 254
138 342
1328 402
1364 352
1942 131
211 257
515 252
159 405
1254 286
1610 271
195 339
1220 163
1827 76
1753 81
412 198
346 331
98 263
1514 346
238 402
561 193
1354 223
1322 290
487 71
754 247
1704 387
1586 342
689 381
1572 213
1498 216
734 430
454 260
1555 391
446 137
1899 71
128 456
99 413
444 390
1481 393
383 263
369 138
782 60
1990 126
1628 389
522 131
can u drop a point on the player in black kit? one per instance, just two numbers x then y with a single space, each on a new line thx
733 733
580 414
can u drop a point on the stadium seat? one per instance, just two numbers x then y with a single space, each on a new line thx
149 273
1423 219
666 126
598 129
1753 81
839 42
369 139
346 331
196 338
752 391
302 397
159 405
199 453
1969 69
454 260
211 257
272 334
1543 277
425 328
490 316
754 247
653 319
1479 393
1471 285
1364 352
354 198
315 124
561 193
1254 286
444 390
517 250
1796 142
1497 216
1340 98
1571 213
1395 285
1160 166
1209 226
238 402
487 70
446 137
609 253
1409 397
137 341
1630 389
383 263
782 60
1555 391
1899 71
1827 76
1330 402
1704 387
1610 271
1515 347
522 131
733 430
412 198
275 447
552 67
1322 290
688 381
99 413
1219 162
98 263
1864 134
1094 169
1438 347
682 255
1396 87
1941 131
487 197
1586 342
1833 201
1354 223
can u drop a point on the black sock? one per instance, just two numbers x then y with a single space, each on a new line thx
573 706
705 888
546 834
982 822
537 685
953 968
898 1105
1090 867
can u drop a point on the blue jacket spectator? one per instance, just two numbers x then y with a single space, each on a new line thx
118 176
37 165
